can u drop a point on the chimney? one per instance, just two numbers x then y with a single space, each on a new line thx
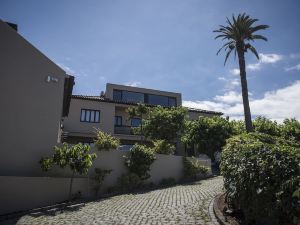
13 26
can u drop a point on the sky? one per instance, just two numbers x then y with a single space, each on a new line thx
169 45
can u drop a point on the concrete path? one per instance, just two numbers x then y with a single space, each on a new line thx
182 204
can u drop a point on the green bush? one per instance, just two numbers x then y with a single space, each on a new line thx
106 142
266 126
139 161
290 129
208 134
262 178
192 168
163 147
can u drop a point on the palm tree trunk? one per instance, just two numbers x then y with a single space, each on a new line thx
247 113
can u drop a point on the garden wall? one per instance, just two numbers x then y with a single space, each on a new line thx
22 193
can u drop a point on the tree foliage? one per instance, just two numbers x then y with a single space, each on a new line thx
208 134
163 147
164 123
263 125
193 168
76 157
290 129
238 33
106 142
262 178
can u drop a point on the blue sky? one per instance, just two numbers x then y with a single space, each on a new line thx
168 45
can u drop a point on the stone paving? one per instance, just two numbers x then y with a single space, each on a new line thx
181 204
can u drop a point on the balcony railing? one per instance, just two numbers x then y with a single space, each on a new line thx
124 130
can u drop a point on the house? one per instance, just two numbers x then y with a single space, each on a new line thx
107 112
35 96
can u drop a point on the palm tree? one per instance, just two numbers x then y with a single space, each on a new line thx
238 33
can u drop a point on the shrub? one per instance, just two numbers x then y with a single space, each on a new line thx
192 168
290 129
100 174
139 161
209 134
163 147
262 178
266 126
105 142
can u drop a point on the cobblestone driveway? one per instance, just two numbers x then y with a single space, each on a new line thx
182 204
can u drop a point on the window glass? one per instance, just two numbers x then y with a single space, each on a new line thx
87 115
158 100
129 96
82 117
92 116
135 122
97 117
117 95
118 121
172 101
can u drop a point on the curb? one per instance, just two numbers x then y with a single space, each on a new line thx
217 212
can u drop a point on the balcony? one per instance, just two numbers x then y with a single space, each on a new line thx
124 130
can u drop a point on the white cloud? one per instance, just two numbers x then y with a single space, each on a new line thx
269 58
276 105
133 83
254 66
294 55
222 78
265 59
297 67
235 71
229 97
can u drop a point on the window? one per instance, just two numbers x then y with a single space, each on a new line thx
90 116
161 100
172 102
118 120
117 95
158 100
128 96
135 122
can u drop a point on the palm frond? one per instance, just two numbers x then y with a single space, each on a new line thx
253 50
227 55
259 37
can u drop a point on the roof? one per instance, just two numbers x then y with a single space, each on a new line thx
103 99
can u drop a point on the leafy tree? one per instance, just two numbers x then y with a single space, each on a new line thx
165 123
238 33
208 134
290 129
266 126
163 147
138 111
105 142
76 157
